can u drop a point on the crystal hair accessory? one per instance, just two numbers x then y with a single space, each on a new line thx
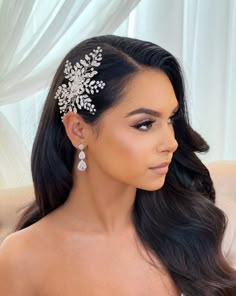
76 95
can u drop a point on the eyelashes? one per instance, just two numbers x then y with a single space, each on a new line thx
147 124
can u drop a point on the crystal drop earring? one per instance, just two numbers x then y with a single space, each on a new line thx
82 165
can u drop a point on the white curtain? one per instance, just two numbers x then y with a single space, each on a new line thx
14 159
35 35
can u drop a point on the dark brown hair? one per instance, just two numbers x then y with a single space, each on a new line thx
179 223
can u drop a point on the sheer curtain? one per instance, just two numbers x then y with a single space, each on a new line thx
35 35
201 33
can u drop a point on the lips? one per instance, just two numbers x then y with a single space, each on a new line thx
163 164
161 169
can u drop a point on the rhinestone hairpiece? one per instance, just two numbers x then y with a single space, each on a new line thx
76 95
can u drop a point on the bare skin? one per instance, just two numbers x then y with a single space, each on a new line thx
89 246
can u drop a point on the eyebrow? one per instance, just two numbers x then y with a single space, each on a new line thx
148 111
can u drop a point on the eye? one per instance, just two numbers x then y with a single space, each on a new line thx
144 126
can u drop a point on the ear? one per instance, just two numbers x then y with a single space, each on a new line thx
76 129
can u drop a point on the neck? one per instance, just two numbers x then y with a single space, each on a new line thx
98 203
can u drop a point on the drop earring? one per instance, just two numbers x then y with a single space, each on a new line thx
82 165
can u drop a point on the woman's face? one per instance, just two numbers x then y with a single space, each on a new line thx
137 134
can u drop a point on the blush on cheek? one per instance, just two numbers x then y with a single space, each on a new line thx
126 152
128 145
130 153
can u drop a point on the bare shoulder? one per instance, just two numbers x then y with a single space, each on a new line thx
16 265
17 242
26 243
24 256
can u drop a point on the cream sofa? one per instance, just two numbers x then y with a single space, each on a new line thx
223 174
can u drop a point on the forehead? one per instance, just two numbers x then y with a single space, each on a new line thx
149 89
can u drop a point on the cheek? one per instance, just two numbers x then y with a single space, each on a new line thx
127 153
129 160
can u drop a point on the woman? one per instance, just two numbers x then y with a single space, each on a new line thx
123 204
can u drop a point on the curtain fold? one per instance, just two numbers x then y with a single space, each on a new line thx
35 36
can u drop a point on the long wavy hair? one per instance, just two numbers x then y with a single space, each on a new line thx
178 223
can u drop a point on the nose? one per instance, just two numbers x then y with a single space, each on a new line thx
168 141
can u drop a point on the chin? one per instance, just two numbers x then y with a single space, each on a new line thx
154 186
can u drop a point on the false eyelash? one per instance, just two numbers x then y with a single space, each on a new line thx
146 123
